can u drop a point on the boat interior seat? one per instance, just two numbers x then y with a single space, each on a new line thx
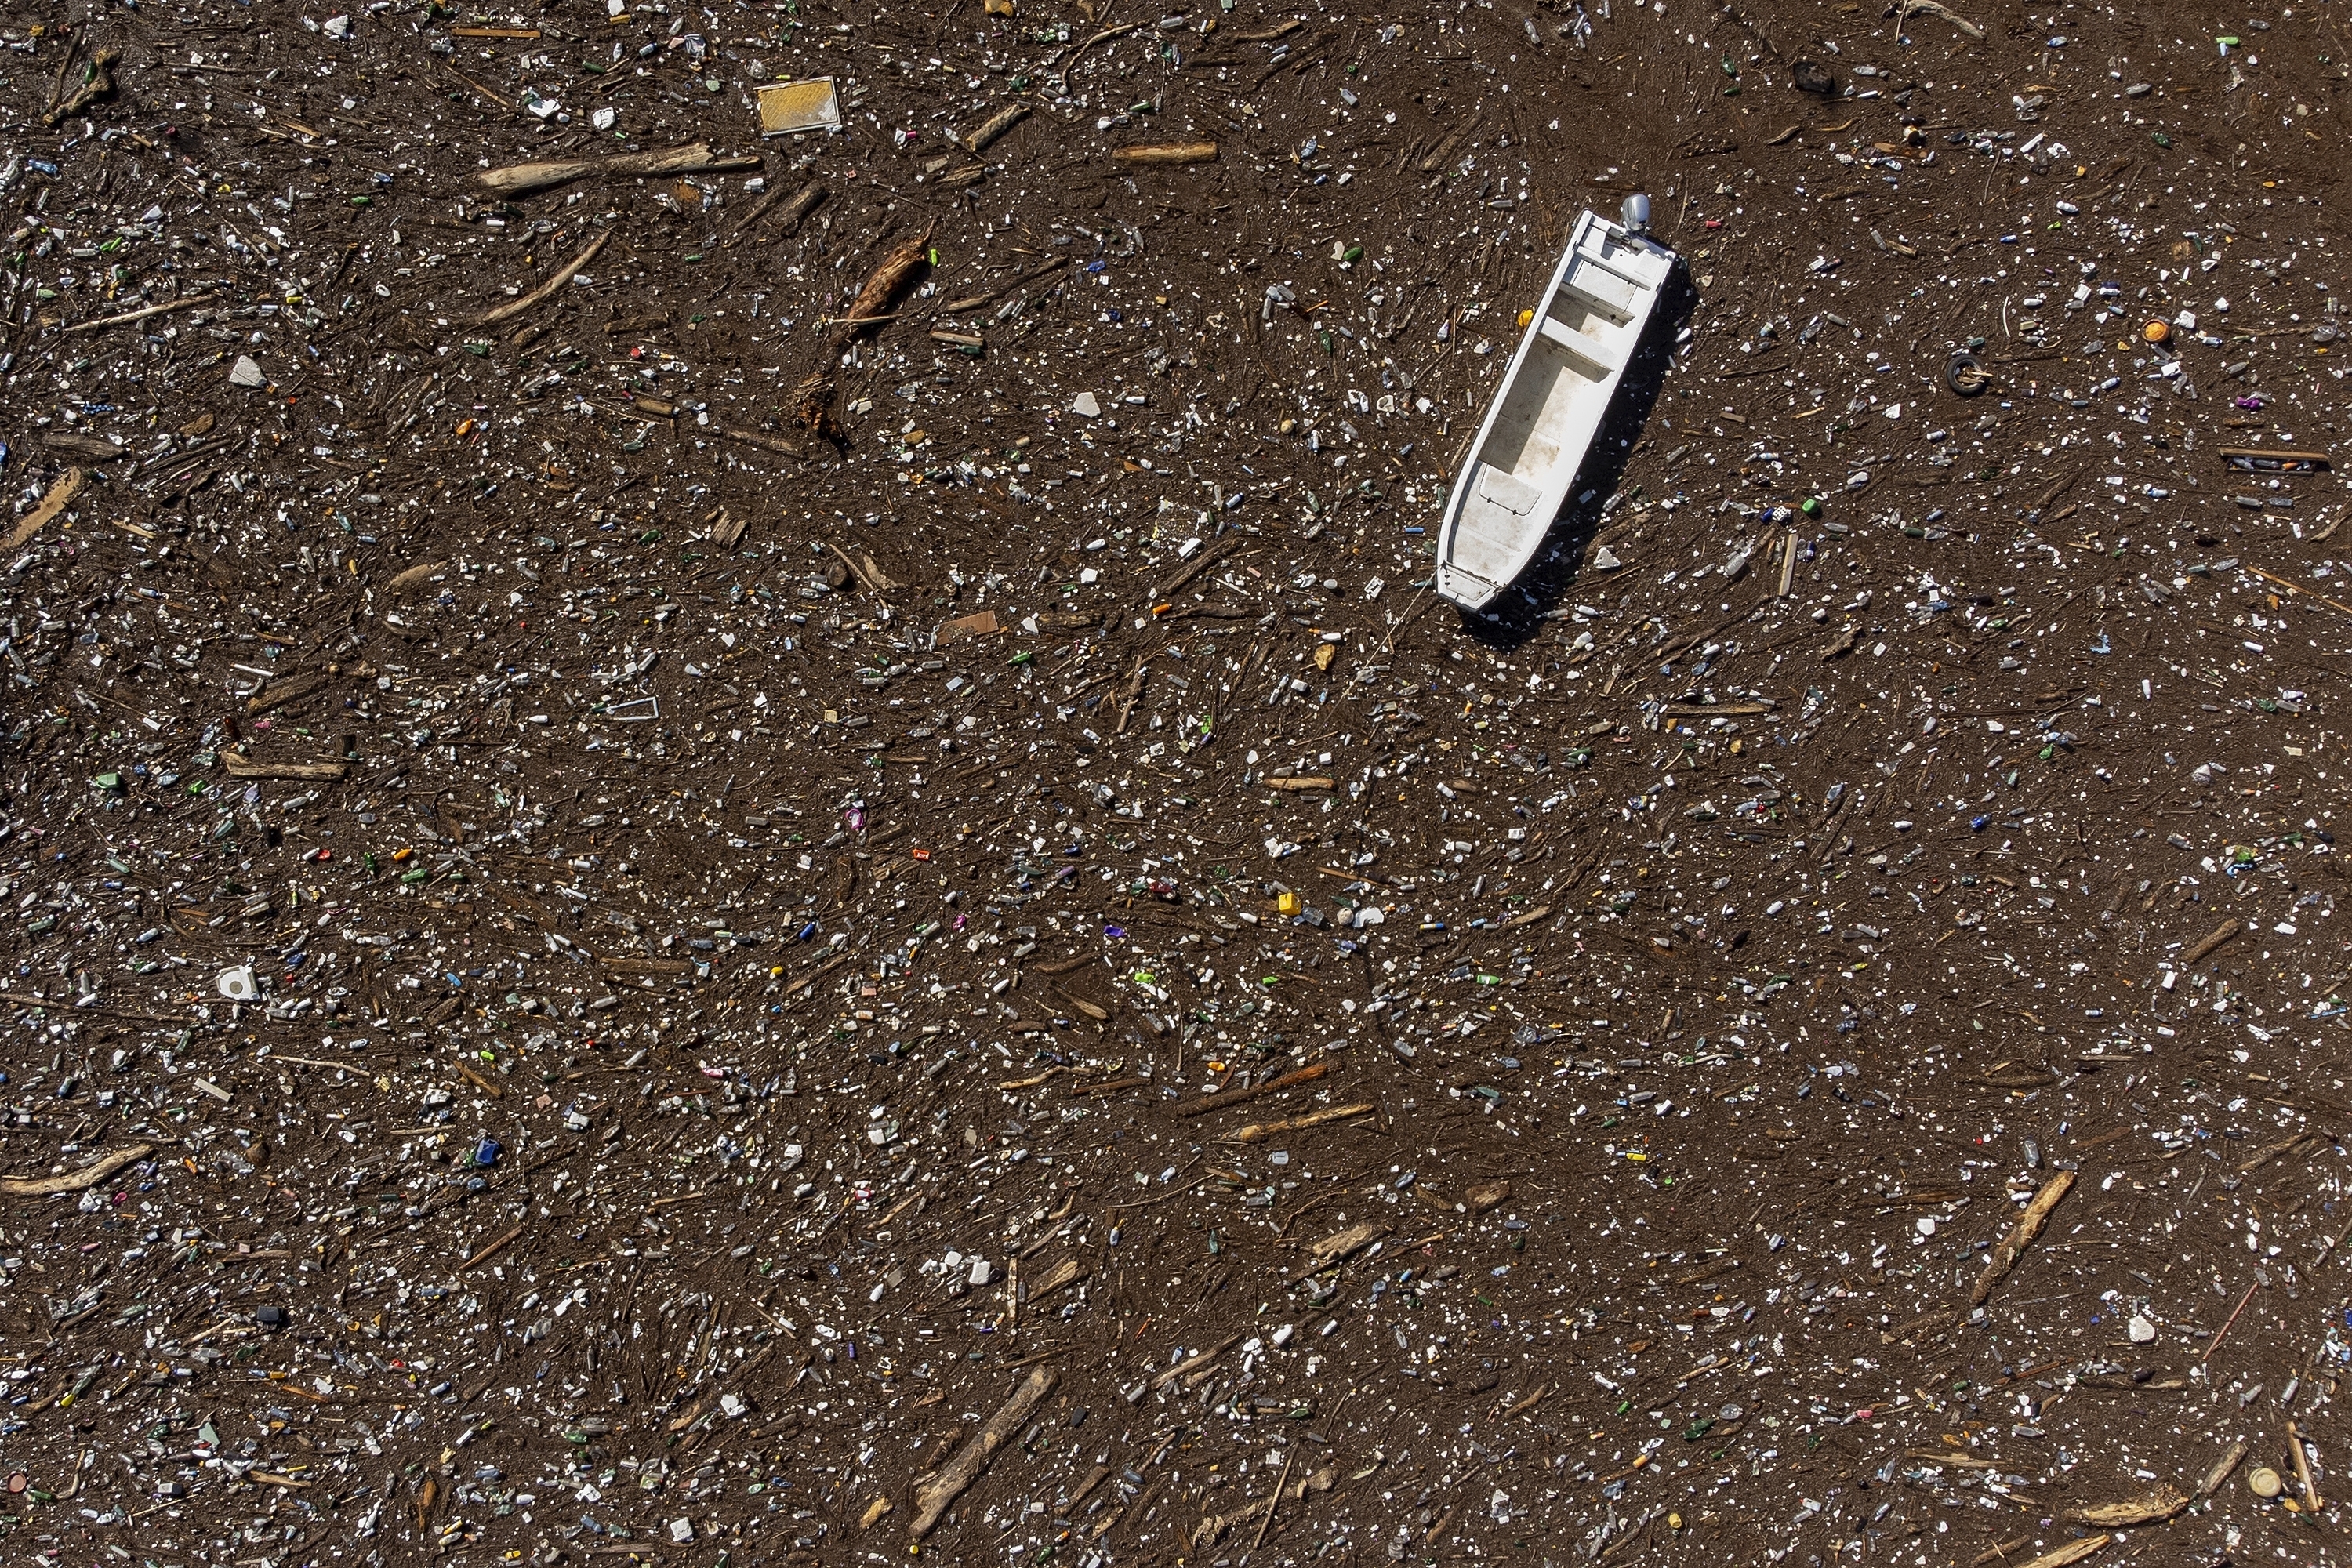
1596 254
1602 289
1506 490
1580 345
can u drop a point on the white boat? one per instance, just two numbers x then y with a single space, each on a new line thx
1549 409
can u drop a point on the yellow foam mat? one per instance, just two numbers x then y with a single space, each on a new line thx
788 106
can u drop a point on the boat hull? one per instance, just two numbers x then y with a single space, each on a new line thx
1549 410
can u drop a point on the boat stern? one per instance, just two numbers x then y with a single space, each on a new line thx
1465 588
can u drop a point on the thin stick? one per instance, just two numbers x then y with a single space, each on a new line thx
60 1003
491 1249
237 767
478 90
1208 558
1292 1453
2311 1498
2295 588
2334 1242
1134 693
749 218
1206 1103
1420 603
1930 9
2225 1327
557 280
1257 1130
138 315
1077 53
974 301
2219 935
1147 1203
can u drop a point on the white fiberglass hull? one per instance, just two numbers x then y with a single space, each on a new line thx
1549 409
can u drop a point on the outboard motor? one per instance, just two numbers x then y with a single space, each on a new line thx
1636 214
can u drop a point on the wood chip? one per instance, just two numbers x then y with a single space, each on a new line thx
60 496
237 767
2073 1552
994 126
2154 1506
2013 1246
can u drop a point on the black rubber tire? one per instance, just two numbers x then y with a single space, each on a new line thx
1965 376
